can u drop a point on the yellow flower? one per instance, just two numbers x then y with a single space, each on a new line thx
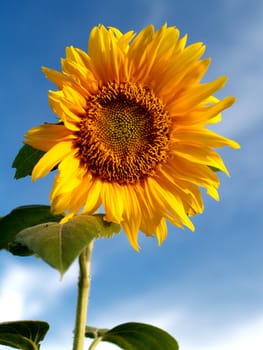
132 133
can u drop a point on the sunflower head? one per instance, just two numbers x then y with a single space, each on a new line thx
132 130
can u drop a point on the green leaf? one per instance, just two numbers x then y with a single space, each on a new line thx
25 161
136 336
60 244
21 218
24 335
17 341
19 249
215 170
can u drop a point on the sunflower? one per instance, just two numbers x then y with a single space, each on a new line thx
131 133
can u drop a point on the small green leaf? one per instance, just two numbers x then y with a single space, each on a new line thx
137 336
60 244
25 161
21 218
215 170
24 335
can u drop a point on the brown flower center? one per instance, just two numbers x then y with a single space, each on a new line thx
123 136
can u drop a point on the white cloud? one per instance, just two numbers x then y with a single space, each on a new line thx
184 325
242 336
24 287
194 329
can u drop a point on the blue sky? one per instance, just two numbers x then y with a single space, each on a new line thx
205 288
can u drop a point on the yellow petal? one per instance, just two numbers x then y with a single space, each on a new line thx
60 203
93 200
80 194
132 215
106 54
201 155
204 113
66 218
179 67
149 216
191 97
51 159
82 74
203 136
161 231
112 200
136 53
56 77
68 177
46 136
132 236
185 187
156 55
169 204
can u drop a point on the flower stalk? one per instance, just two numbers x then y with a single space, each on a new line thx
83 297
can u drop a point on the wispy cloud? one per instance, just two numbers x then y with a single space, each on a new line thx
27 291
195 330
241 336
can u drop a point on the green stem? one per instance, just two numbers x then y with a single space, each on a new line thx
94 343
83 296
